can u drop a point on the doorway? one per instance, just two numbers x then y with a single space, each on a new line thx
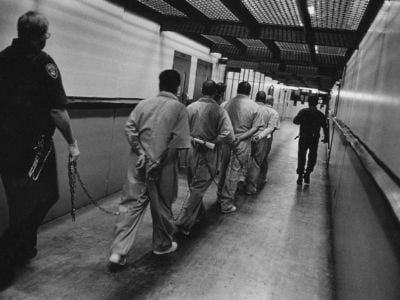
203 73
182 65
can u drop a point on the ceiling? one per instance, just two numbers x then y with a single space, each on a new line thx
297 42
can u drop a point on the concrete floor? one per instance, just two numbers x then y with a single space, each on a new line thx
277 246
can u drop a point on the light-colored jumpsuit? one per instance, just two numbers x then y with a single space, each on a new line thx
258 168
162 126
211 123
244 115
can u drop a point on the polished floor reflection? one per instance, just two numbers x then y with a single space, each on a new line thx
277 246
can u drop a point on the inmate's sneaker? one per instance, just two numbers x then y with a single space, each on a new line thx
300 179
117 262
173 247
229 210
306 178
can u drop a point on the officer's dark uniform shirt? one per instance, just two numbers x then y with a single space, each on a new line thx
310 120
30 86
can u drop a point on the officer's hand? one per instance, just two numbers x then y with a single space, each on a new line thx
141 161
325 141
73 151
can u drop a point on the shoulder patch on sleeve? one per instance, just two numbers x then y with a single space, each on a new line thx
52 70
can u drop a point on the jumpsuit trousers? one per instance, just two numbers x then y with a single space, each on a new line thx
137 193
201 171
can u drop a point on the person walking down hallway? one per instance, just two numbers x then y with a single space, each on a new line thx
311 120
156 129
209 123
32 105
246 121
261 144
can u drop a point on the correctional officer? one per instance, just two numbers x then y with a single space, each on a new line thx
156 129
262 142
246 121
32 105
310 120
209 123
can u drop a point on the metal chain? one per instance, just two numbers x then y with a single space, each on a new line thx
72 187
74 176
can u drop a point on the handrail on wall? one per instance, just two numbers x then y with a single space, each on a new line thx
386 181
101 102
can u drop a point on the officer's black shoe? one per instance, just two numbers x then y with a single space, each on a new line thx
23 258
300 179
6 276
306 178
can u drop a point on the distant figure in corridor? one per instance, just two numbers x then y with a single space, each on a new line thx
156 129
32 105
210 123
219 96
310 120
262 142
246 121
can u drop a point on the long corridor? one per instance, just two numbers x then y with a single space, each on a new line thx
277 246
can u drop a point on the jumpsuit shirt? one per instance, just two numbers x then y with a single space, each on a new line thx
257 172
30 87
208 122
244 114
161 125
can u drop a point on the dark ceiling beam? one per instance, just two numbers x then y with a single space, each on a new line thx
241 12
267 32
140 9
199 39
192 12
276 52
305 17
238 44
371 12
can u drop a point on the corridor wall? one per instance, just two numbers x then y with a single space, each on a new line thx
366 229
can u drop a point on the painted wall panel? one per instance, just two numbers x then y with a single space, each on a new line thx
365 230
370 102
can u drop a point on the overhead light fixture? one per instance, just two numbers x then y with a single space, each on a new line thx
311 10
316 49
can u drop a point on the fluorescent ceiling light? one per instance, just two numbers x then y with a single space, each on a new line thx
311 10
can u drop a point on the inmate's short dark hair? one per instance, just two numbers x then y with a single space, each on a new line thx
261 96
209 88
313 100
244 88
32 25
169 81
269 100
221 88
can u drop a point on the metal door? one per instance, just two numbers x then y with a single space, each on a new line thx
203 73
182 65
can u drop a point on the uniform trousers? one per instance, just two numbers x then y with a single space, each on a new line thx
137 193
309 144
28 203
237 167
202 165
258 166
